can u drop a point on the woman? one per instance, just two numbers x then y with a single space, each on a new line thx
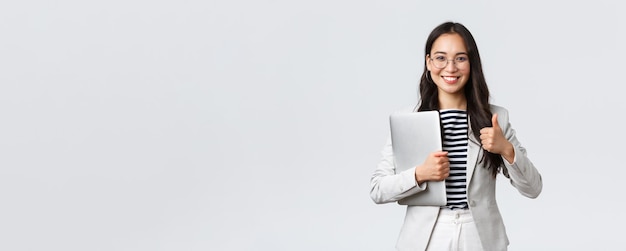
478 143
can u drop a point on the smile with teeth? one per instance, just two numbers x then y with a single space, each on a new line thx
450 79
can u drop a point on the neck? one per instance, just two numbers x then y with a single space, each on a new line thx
457 102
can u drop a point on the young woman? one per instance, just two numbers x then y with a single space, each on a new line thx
478 143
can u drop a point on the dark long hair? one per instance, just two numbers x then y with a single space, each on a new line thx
476 91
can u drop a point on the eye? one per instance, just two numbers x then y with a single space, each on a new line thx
440 58
461 59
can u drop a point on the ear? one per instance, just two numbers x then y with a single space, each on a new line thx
427 62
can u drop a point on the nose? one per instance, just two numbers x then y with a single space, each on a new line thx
451 66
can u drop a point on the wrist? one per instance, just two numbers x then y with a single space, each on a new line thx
417 176
509 153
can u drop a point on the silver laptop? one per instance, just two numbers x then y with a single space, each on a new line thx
414 135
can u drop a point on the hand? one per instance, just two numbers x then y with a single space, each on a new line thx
436 167
493 139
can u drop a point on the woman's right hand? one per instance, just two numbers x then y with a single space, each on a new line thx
436 167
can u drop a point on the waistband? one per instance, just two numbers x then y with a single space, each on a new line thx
455 215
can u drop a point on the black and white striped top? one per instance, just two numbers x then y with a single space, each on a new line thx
455 138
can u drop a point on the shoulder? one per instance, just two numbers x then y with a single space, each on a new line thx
503 114
500 110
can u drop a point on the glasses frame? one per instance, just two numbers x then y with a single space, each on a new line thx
463 64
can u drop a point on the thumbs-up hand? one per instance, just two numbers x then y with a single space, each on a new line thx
493 139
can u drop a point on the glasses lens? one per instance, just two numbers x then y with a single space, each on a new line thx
440 62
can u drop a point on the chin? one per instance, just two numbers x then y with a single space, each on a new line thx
451 89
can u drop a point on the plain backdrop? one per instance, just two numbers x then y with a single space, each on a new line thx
256 125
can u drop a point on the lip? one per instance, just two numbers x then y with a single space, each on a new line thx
450 79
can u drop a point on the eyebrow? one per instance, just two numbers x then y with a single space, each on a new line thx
441 52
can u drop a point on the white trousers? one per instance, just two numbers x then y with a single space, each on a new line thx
454 231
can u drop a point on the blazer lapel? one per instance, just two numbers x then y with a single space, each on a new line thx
473 150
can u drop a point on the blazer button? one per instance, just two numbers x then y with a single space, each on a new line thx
472 203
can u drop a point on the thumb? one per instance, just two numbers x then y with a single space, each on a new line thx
494 120
440 154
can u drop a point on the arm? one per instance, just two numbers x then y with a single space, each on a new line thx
517 167
386 185
521 171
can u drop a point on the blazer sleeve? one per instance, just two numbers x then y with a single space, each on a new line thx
522 172
389 186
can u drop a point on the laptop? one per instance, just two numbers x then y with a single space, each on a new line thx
414 135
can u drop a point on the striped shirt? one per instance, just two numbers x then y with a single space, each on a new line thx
455 131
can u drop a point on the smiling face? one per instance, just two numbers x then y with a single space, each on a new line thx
449 65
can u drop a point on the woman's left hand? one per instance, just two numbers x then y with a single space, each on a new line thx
493 140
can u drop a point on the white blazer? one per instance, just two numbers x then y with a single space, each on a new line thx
388 186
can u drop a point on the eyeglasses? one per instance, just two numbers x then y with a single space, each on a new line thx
441 62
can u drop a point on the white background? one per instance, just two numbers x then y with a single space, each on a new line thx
256 125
